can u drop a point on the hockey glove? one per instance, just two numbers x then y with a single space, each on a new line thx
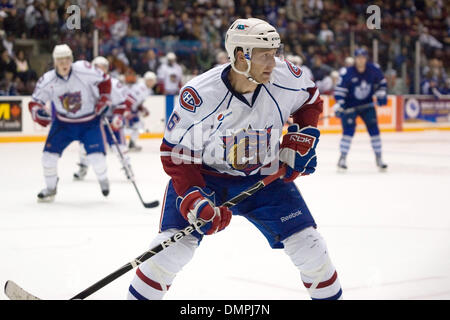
39 114
117 122
297 151
381 100
102 105
144 111
338 110
195 206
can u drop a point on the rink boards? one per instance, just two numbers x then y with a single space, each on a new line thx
402 113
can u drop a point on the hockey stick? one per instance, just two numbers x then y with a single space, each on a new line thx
128 172
350 110
14 292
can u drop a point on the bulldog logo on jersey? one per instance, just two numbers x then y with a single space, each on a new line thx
246 150
71 101
190 99
296 71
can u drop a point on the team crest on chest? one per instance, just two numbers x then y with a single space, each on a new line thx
247 149
296 71
190 99
71 101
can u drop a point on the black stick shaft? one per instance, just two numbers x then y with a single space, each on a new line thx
176 237
122 158
350 110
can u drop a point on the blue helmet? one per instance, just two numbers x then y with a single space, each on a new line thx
361 52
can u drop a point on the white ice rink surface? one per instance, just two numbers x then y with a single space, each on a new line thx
388 234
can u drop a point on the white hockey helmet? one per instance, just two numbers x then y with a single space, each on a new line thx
99 60
248 34
62 51
149 75
171 56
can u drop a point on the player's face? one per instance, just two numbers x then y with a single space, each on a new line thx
150 83
360 62
263 63
63 65
102 67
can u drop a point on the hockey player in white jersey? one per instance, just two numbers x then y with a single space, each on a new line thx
78 94
222 137
138 92
120 107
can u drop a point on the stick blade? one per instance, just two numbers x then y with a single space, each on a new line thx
14 292
152 204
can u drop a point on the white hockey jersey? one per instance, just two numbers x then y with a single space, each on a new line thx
119 94
138 92
231 133
170 76
72 98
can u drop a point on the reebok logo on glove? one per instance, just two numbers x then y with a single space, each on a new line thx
303 138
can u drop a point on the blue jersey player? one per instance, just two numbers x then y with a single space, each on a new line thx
229 122
354 97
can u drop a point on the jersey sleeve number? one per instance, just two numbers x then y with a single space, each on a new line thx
173 120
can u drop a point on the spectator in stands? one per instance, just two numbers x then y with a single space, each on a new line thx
170 75
33 19
8 43
325 34
23 71
204 58
294 10
7 85
13 22
150 62
395 85
221 58
446 88
429 84
428 40
305 26
7 64
319 69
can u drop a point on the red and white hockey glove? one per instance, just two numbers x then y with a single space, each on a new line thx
102 105
117 122
297 151
194 206
39 114
144 111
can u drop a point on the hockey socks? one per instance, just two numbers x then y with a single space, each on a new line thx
98 162
50 165
345 144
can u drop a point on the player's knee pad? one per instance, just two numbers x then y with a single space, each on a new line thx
308 251
50 163
154 277
98 162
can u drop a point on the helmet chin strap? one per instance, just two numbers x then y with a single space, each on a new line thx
247 72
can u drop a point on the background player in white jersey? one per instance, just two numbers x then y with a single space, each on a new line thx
78 94
120 107
227 124
137 94
170 75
